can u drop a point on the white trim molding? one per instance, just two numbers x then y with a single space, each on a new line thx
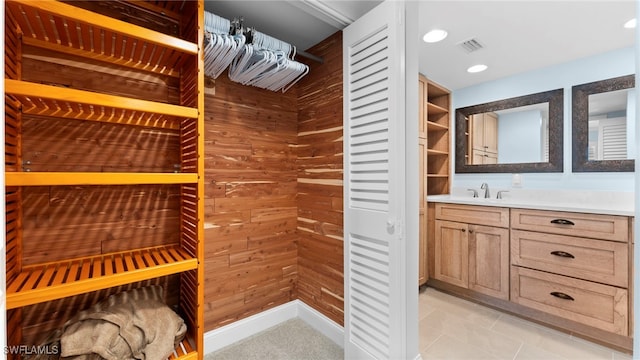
224 336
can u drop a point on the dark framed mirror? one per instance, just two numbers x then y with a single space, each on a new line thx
517 135
603 134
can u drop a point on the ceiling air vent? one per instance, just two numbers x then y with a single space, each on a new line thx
470 45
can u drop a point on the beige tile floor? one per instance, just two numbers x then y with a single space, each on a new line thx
452 328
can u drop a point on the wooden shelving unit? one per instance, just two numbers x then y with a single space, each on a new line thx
71 31
434 122
437 102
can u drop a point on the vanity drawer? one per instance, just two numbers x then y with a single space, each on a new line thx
595 260
607 227
473 214
601 306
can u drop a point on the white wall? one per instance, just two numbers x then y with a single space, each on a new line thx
608 65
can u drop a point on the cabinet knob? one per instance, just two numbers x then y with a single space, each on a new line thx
463 230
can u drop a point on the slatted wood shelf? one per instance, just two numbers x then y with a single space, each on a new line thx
55 101
56 280
72 30
184 351
96 178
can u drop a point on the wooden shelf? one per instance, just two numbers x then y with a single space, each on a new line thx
84 33
435 90
96 178
436 152
45 282
55 101
433 109
434 126
441 176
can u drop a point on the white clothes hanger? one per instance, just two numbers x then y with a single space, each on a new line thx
266 63
220 46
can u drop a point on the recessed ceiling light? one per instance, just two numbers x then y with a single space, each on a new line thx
477 68
434 35
631 24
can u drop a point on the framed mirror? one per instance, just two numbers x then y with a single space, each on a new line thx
517 135
603 128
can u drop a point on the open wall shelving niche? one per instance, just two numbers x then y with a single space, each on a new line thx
91 215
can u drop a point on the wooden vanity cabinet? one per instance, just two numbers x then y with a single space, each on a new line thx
472 248
571 271
572 265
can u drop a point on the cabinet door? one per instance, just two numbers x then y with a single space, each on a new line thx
478 157
477 132
490 158
451 253
489 260
490 132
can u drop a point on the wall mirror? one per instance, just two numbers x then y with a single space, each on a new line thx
520 134
603 129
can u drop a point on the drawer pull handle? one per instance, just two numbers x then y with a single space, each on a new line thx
563 254
463 230
562 222
561 295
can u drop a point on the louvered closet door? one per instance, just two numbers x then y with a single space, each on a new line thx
613 139
373 188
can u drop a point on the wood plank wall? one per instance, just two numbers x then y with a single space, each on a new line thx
320 225
250 201
274 194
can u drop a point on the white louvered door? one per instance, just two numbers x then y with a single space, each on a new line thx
373 52
613 139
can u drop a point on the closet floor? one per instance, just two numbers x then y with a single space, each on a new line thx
291 340
450 329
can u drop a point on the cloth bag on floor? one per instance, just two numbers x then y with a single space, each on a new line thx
135 324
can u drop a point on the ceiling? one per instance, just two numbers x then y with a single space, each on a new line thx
517 35
302 23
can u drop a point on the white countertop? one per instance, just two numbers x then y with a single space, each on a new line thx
593 202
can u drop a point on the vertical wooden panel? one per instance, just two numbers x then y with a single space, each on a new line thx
320 224
250 201
192 161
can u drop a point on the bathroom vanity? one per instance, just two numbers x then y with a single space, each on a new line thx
560 259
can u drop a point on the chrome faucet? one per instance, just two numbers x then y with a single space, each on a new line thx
499 196
485 187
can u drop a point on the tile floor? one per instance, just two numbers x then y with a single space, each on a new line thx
452 328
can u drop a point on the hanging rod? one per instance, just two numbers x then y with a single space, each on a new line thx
310 56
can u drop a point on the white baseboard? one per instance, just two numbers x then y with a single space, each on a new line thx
217 339
321 323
